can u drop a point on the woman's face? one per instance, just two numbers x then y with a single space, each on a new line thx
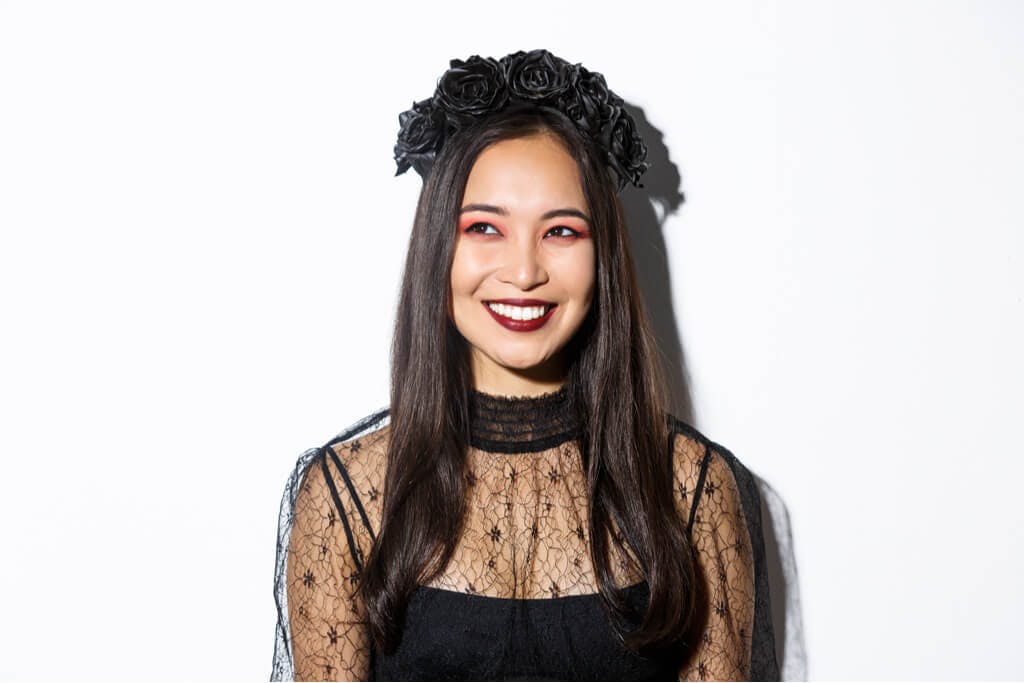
523 239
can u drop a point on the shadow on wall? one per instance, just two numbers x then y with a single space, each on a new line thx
646 210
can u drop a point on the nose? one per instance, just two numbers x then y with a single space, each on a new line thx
523 266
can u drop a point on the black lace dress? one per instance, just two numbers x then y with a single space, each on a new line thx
518 599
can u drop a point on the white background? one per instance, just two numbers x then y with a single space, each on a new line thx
202 237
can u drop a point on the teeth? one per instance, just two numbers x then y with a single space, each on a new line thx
519 312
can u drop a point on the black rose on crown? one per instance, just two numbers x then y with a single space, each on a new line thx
479 86
420 136
471 88
626 149
588 102
537 76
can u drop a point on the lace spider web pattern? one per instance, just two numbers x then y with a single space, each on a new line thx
524 550
282 667
764 664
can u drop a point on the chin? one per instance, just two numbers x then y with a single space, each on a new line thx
520 364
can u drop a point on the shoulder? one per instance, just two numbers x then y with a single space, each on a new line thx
704 470
362 445
356 452
358 463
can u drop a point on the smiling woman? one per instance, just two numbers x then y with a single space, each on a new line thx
512 242
526 507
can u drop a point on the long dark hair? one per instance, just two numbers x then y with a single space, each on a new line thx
624 444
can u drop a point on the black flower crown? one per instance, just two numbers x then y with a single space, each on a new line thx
479 86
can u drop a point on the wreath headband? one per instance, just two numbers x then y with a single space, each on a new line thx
478 86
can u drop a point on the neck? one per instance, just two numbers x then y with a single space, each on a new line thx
498 380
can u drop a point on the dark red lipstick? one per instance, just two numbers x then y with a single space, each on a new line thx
521 325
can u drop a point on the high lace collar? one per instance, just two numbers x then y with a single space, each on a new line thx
521 424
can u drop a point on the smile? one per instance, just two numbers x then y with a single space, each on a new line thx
520 318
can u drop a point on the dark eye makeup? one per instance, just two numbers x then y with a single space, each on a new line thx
575 233
473 228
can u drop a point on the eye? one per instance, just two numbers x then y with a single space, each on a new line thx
481 228
572 233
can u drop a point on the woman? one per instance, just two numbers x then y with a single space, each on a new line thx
525 508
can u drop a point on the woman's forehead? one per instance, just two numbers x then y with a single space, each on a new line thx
525 174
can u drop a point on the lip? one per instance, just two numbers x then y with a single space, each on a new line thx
520 325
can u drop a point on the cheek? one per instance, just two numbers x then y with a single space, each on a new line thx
465 280
580 273
460 276
468 270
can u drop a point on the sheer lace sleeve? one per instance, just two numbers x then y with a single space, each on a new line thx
328 636
708 492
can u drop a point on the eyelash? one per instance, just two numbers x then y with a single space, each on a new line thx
575 233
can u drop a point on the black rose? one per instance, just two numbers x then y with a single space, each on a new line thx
537 75
588 101
471 88
627 152
420 136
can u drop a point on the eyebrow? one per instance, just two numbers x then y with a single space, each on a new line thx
502 211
